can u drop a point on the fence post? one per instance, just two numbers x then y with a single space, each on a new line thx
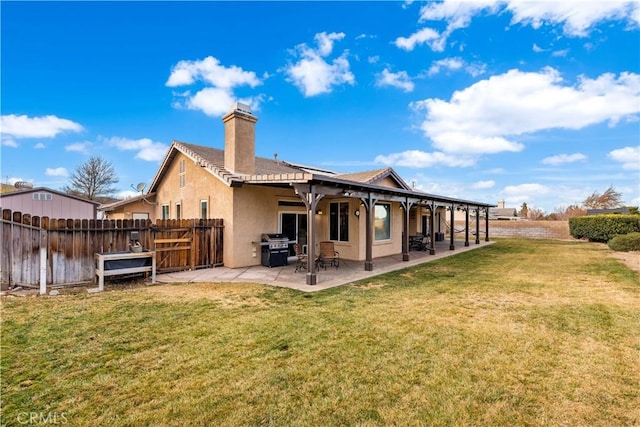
43 262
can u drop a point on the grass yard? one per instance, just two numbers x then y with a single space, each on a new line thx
520 332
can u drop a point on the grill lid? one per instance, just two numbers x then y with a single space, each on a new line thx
274 237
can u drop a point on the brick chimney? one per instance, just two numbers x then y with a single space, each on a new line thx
500 204
240 140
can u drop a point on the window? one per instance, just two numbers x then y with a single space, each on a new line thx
339 221
203 209
178 211
165 211
42 196
382 221
183 172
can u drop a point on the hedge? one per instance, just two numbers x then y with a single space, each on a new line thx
602 228
625 242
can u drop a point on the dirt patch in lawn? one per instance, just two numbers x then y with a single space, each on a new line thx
630 259
228 294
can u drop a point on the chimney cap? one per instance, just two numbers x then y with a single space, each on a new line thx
239 106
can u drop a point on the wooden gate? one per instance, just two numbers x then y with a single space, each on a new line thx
187 244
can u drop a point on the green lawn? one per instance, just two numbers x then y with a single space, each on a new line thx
520 332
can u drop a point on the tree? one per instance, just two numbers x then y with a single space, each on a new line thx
93 178
524 210
571 211
536 214
607 200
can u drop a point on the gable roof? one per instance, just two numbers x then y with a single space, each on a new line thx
107 207
49 190
212 160
375 177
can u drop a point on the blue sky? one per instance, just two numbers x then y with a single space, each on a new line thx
535 102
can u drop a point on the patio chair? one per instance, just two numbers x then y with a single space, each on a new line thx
419 243
328 255
301 262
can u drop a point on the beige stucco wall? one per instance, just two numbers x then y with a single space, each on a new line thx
388 182
199 185
249 211
127 211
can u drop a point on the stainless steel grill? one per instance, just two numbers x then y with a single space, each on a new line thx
275 249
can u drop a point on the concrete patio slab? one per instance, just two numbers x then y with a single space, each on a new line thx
287 277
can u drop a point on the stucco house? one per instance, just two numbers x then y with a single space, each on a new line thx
42 201
366 214
138 207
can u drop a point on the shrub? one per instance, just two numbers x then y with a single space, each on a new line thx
602 228
625 242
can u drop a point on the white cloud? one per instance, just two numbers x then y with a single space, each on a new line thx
8 141
560 53
456 64
218 95
561 159
12 180
400 80
628 156
126 194
314 75
427 36
325 42
79 147
538 49
487 116
147 149
513 190
39 146
422 159
209 70
373 59
15 127
481 185
532 194
56 172
212 101
577 18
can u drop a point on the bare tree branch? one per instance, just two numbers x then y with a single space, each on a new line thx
93 179
607 200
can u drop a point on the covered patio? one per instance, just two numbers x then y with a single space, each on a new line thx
288 277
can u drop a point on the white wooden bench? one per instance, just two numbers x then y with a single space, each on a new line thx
101 258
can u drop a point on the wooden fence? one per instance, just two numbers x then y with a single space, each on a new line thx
61 251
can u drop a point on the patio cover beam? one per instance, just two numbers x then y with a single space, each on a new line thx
310 198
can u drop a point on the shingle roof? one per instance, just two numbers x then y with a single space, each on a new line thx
368 177
215 157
